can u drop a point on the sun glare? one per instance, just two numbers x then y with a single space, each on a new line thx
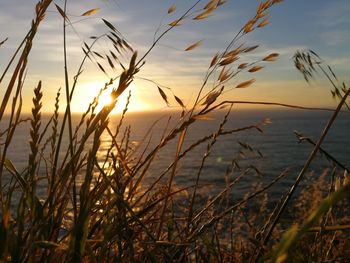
105 99
89 91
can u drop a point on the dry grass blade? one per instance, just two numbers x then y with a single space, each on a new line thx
245 84
91 12
195 45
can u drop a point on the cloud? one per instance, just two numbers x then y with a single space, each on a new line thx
334 13
339 61
335 37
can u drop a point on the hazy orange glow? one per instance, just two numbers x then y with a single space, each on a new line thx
86 93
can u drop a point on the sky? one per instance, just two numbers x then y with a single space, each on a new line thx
320 25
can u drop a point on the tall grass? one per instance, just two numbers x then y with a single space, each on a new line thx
97 210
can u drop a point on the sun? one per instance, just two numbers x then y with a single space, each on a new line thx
88 91
105 99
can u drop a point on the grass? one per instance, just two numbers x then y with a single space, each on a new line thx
103 210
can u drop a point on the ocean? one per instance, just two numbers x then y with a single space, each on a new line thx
270 152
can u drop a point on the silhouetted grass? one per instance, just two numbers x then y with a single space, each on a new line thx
101 210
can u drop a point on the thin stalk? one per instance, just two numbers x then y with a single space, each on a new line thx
228 210
59 142
330 157
206 155
268 104
178 150
331 81
14 55
70 129
165 32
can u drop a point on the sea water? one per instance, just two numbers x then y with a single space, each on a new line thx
279 147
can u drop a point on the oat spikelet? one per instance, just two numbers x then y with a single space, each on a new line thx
242 66
267 4
255 69
214 60
62 13
176 22
245 84
261 15
228 61
249 26
109 24
250 49
91 12
234 52
54 127
271 57
195 45
205 14
164 96
211 98
35 123
211 4
263 23
178 100
172 9
221 2
259 9
223 74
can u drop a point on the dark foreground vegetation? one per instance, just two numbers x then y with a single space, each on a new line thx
100 210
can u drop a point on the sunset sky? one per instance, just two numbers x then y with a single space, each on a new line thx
320 25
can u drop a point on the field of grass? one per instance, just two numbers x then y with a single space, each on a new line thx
95 211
